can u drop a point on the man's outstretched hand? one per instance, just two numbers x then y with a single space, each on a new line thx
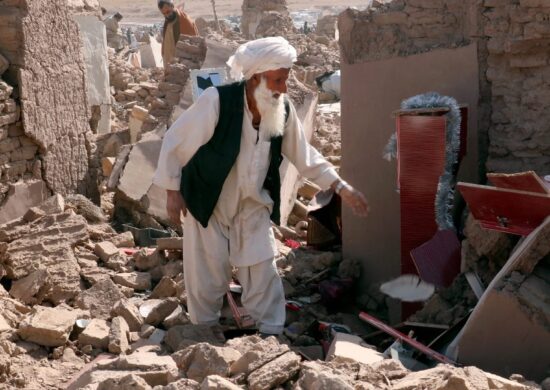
175 206
355 200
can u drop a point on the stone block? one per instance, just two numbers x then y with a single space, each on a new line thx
170 243
177 317
118 336
95 334
353 347
26 288
135 280
216 382
20 197
201 360
275 373
105 250
181 336
164 289
47 326
124 240
100 298
127 310
156 310
259 354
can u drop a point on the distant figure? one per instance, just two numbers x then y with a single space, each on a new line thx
176 22
306 28
115 39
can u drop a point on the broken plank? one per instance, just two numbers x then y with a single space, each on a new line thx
523 181
406 339
506 210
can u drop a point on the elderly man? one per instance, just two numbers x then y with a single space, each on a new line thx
220 166
176 22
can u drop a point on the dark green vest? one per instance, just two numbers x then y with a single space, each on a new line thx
203 177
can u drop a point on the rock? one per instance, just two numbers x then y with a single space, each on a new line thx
47 326
123 240
129 382
117 262
136 280
95 334
257 356
25 289
178 317
164 289
201 360
100 298
164 367
146 330
216 382
170 243
159 310
353 347
145 262
85 207
130 313
245 344
55 235
444 376
53 205
391 369
118 336
182 336
182 384
105 250
316 376
275 373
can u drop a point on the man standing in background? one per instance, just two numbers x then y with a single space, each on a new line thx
115 39
176 22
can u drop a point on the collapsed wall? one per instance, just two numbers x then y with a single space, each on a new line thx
512 39
255 10
43 46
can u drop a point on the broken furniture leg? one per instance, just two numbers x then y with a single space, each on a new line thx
406 339
240 314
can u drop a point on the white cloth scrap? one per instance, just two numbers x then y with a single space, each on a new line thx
261 55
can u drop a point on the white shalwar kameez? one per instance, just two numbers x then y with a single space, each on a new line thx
239 232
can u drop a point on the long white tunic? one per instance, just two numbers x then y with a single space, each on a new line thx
244 205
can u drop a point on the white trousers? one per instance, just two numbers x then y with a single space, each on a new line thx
207 273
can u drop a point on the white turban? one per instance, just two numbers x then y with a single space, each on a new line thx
261 56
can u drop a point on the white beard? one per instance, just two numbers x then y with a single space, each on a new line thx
272 111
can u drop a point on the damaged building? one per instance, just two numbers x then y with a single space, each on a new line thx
433 290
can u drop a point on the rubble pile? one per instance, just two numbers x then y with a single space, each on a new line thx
130 87
327 138
17 152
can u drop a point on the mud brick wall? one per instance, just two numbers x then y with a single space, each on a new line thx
518 34
513 38
18 153
47 69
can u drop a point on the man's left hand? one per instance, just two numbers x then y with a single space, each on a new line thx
355 200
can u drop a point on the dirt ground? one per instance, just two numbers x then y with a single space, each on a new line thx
146 10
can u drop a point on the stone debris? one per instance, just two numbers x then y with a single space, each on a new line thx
95 334
118 336
201 360
47 326
276 372
127 310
